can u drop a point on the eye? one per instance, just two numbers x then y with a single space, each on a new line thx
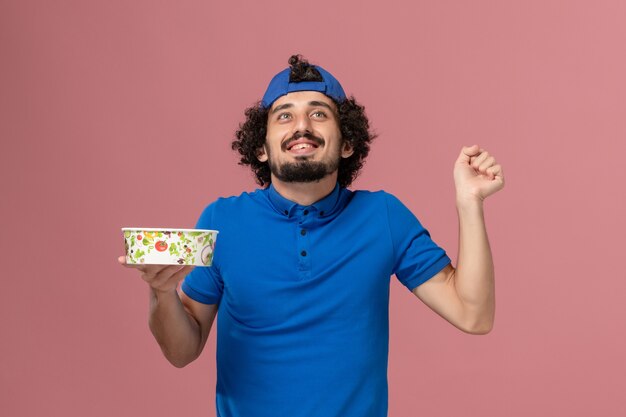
319 113
283 116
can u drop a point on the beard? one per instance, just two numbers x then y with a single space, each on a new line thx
303 170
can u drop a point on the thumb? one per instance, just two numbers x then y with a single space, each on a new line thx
467 152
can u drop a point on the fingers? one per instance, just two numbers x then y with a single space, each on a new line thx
490 168
166 279
141 267
467 152
122 261
495 171
149 269
482 162
178 276
160 277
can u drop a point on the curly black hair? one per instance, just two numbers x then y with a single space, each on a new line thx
353 124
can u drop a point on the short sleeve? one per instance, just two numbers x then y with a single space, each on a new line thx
204 284
417 258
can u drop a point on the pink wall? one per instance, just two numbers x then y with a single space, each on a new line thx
116 113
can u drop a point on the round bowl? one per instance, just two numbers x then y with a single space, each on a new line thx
166 246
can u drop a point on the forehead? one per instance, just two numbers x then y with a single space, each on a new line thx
299 98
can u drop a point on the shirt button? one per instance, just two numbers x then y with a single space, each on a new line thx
303 232
321 213
306 212
303 253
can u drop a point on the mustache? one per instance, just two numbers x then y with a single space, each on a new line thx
315 139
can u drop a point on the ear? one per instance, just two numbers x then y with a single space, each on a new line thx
346 149
261 154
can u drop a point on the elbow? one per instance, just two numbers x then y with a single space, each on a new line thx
479 330
478 321
178 362
478 326
179 358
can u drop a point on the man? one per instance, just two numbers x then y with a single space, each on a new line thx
301 268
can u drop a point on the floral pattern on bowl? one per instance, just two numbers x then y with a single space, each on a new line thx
169 246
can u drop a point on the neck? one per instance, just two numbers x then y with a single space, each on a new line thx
306 193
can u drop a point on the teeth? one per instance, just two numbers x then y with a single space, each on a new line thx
301 146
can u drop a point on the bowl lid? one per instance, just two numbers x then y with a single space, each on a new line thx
165 229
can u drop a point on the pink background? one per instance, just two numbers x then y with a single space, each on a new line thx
121 113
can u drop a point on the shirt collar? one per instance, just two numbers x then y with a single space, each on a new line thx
325 206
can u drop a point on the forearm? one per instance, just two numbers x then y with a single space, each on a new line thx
474 276
177 333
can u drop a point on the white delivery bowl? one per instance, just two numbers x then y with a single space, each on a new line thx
166 246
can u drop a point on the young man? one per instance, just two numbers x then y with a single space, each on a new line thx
301 269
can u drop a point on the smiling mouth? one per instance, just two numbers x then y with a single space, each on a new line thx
301 146
302 143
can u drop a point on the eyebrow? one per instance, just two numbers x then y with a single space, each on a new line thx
314 103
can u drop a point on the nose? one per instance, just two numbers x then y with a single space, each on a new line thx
303 124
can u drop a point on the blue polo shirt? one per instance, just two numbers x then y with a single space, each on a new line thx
303 294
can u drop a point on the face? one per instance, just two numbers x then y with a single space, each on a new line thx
303 142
